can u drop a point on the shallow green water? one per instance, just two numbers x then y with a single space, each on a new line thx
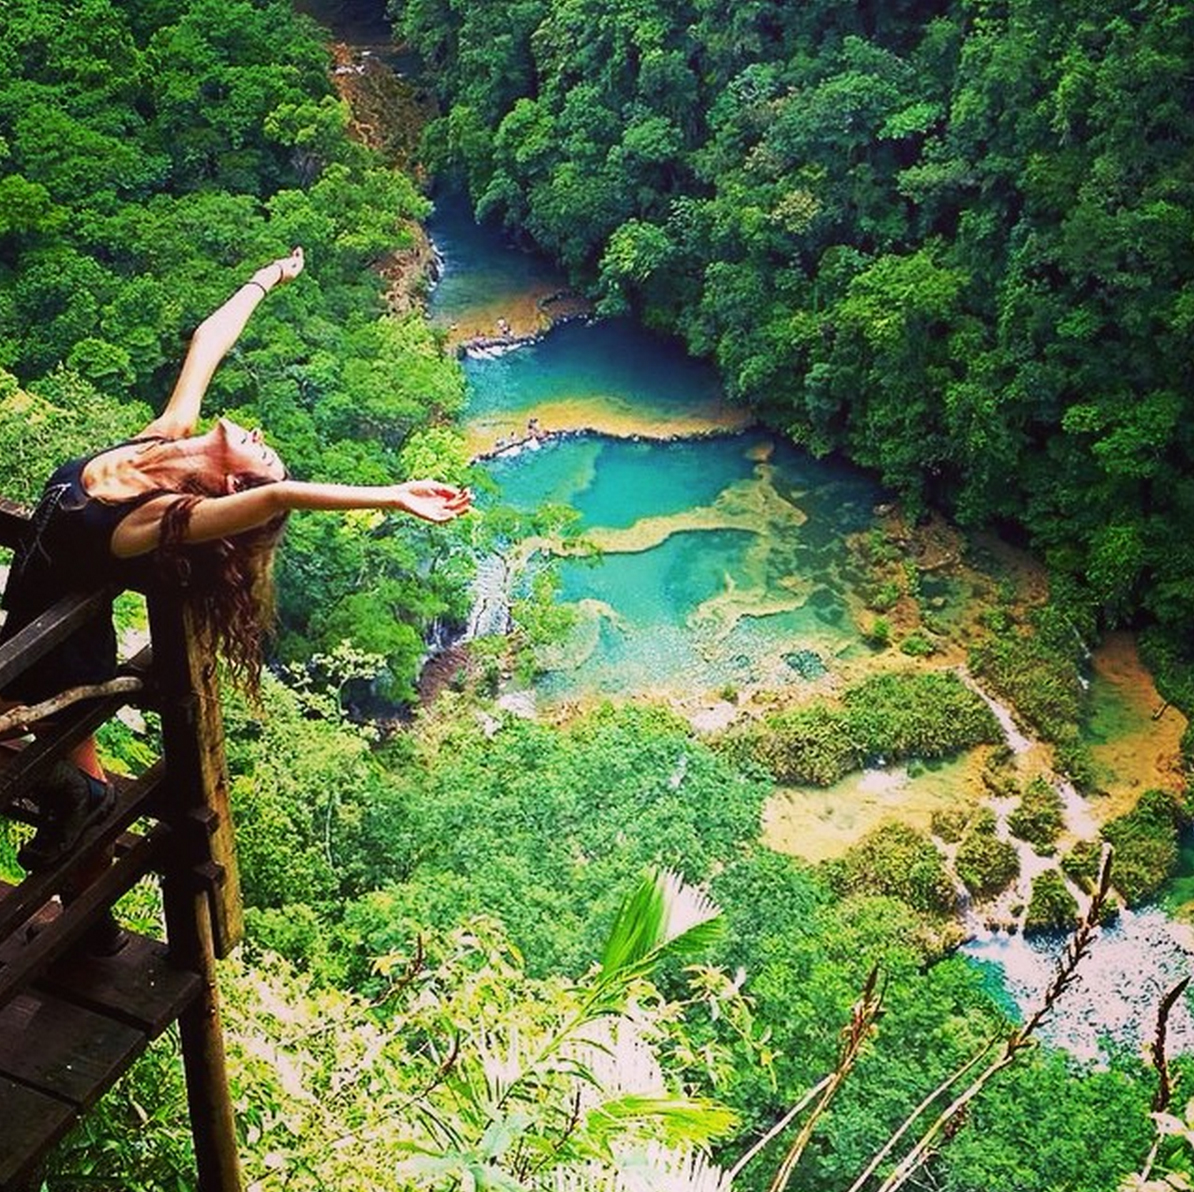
1108 715
764 572
613 363
723 560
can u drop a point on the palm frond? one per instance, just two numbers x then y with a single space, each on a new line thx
679 1119
663 913
616 1057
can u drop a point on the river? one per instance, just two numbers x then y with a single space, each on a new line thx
725 567
724 560
727 573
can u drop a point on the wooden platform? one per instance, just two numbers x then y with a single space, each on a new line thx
66 1039
71 1023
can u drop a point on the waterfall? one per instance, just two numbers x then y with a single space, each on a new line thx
1017 742
1078 817
490 613
1131 966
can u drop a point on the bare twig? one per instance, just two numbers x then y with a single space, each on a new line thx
778 1128
1064 976
863 1017
911 1119
16 721
1164 1091
1160 1060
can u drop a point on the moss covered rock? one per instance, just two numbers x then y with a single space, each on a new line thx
1145 842
985 863
898 861
1052 906
1040 817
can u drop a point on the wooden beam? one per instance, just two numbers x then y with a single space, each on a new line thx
203 918
52 627
193 736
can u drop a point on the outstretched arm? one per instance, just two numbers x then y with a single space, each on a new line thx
210 344
221 517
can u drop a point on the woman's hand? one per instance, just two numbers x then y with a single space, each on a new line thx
210 344
431 500
279 272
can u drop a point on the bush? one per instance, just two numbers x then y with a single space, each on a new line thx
985 863
917 714
1075 760
897 861
911 714
1081 863
1040 817
949 825
1145 842
808 745
999 775
916 645
879 633
1052 907
885 596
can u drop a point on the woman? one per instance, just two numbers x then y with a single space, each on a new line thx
169 506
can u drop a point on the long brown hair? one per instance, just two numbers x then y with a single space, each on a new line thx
229 581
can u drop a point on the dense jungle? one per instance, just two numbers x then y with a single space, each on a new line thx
932 263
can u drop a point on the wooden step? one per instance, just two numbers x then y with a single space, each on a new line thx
66 1040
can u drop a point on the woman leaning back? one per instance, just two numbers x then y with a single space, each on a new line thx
201 512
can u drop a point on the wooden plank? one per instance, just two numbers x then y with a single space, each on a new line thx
30 1123
43 633
23 961
37 888
138 985
63 1049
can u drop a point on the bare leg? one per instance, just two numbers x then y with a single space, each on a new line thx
85 755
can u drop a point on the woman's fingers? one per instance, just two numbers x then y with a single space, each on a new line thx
435 502
291 266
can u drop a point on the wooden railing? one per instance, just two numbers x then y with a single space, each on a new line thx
72 1023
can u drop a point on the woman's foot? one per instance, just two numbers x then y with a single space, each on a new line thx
70 801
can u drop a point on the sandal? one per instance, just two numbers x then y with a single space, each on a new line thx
71 801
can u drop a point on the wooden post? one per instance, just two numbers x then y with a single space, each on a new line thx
213 1124
193 736
201 889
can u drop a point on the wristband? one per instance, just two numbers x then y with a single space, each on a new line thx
254 282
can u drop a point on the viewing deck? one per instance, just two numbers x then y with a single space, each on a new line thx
72 1022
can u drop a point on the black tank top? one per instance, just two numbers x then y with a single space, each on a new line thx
67 547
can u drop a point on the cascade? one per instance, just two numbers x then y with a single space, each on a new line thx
490 613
